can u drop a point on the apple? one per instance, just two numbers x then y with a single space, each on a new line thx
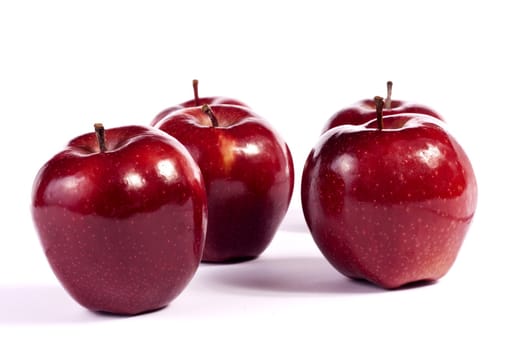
121 215
196 102
389 201
248 172
365 110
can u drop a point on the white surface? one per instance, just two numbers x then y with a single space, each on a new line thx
64 66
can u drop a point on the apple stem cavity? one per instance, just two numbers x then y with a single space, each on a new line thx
388 100
196 92
380 103
100 132
207 109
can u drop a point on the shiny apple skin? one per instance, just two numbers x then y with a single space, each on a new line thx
123 230
365 110
390 206
213 100
248 171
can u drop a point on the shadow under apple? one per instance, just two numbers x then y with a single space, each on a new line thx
294 275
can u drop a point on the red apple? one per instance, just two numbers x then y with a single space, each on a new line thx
196 102
121 216
389 201
365 110
248 172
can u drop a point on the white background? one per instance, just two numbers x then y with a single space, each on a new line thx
65 65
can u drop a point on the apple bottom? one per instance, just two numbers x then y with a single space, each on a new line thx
122 266
393 245
242 221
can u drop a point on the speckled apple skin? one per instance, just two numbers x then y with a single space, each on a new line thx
249 176
390 206
364 111
122 230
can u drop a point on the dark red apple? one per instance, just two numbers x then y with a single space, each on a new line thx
248 171
389 201
365 110
121 216
196 102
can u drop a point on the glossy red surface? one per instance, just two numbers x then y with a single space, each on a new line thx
390 206
365 110
123 230
248 171
214 100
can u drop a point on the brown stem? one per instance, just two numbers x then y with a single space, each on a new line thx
388 101
100 132
207 109
196 92
379 111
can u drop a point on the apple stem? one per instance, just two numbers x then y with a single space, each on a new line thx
379 111
100 132
207 109
388 100
196 92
